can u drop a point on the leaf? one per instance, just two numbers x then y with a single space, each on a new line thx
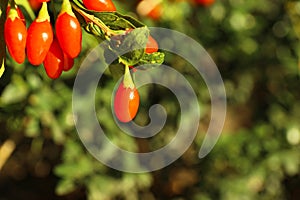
3 5
117 21
153 58
72 150
94 30
130 47
76 169
32 128
64 187
15 92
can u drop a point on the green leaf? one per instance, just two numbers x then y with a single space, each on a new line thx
72 150
107 190
15 92
75 170
32 127
153 58
64 187
95 30
132 44
79 3
117 21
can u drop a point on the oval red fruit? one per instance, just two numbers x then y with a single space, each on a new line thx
126 103
39 40
68 62
151 45
54 60
15 35
69 34
99 5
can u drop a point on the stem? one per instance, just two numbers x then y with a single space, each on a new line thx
95 20
13 13
67 7
12 4
43 14
127 81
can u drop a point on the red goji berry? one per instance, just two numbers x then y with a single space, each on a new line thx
99 5
15 35
54 60
127 99
39 38
68 31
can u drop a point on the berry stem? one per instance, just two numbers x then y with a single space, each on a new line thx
43 13
127 80
13 13
67 7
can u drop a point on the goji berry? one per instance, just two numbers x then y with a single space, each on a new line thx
68 62
127 99
99 5
54 60
68 30
40 37
15 35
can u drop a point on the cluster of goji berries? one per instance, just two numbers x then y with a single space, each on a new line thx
39 43
57 51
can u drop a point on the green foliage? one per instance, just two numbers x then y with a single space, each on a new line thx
255 45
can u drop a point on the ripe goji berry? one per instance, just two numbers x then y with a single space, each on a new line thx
54 60
99 5
68 31
15 35
127 99
39 38
68 62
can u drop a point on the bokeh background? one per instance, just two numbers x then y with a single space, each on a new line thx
255 45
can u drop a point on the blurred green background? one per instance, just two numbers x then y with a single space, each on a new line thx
255 45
